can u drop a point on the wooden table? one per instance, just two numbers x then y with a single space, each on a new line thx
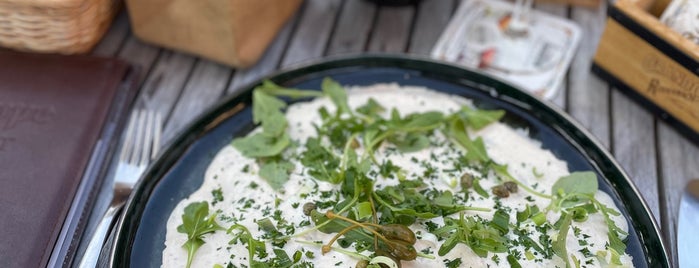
180 86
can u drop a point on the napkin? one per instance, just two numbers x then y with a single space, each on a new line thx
58 119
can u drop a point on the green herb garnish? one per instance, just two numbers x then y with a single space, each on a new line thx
196 222
376 219
477 234
241 234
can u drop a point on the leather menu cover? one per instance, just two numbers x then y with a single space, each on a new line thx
52 113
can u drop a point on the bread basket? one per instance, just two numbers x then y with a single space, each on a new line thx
54 26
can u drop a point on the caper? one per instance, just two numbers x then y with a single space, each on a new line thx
398 232
511 186
362 264
402 251
501 191
466 181
354 144
308 208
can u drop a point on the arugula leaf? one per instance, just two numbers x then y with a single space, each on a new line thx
476 234
584 183
273 89
260 145
274 125
409 134
281 259
337 94
371 108
478 119
363 210
417 121
475 150
479 189
273 140
615 233
255 246
559 246
411 142
276 172
196 222
264 106
501 221
449 243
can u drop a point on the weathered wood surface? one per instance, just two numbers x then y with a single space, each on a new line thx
353 28
432 17
312 33
392 29
182 86
588 96
164 84
205 88
677 164
633 145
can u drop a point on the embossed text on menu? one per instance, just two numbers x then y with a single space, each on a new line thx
19 114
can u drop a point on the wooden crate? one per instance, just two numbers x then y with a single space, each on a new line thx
651 63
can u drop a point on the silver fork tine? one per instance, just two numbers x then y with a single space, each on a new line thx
156 135
147 139
138 143
128 139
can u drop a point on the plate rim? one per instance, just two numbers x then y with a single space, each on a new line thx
211 117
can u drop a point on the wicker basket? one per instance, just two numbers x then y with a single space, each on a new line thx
59 26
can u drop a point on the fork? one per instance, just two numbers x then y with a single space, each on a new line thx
141 144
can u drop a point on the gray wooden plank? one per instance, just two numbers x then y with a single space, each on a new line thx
140 54
353 27
268 62
313 31
166 81
392 30
588 96
678 164
205 87
431 19
114 37
633 145
560 10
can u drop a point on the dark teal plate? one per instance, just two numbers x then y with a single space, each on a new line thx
140 234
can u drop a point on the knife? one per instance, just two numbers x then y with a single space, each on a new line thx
688 226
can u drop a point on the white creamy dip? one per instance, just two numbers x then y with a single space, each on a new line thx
247 198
